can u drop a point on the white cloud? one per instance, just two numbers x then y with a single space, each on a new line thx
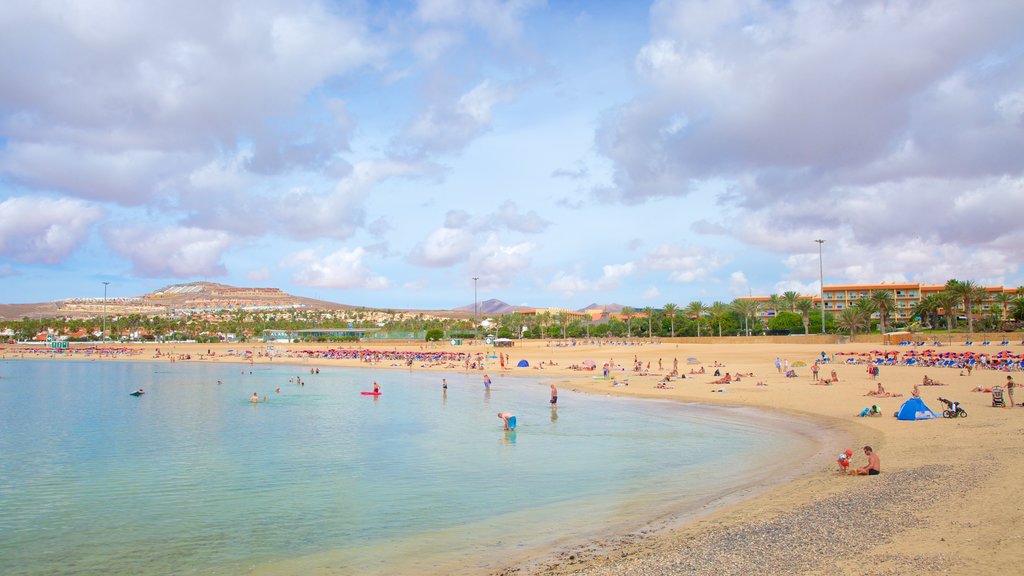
44 230
342 269
652 293
502 20
738 284
158 91
612 277
176 252
800 99
496 264
450 126
684 263
442 247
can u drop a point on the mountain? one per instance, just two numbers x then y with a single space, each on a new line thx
614 308
492 306
193 296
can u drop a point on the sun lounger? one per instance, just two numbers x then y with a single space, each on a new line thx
985 343
1004 343
969 343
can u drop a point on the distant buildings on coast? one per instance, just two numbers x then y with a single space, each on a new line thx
906 296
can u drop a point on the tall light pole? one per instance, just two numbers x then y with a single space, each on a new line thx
476 335
103 334
821 285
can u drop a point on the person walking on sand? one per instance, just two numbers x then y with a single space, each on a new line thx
874 466
1010 385
778 364
814 371
554 395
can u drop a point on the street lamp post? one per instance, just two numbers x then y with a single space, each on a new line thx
103 334
476 335
821 285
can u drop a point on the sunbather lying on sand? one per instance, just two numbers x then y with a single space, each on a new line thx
881 393
926 381
724 379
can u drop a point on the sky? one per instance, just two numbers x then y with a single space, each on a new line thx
427 154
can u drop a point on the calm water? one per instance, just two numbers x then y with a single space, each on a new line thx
191 478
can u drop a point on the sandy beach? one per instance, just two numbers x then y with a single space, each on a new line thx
946 502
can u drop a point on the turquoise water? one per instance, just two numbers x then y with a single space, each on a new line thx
192 478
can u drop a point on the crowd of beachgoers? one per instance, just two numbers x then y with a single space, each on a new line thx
1002 360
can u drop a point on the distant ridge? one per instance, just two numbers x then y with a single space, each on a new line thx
605 307
492 306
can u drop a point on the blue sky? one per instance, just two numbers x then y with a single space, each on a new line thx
385 153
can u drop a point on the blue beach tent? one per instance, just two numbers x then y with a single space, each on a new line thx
523 364
914 409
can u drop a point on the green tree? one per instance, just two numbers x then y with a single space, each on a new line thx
718 312
928 308
696 310
627 313
670 310
805 306
853 319
775 304
1004 300
967 293
790 298
746 309
650 317
785 321
884 302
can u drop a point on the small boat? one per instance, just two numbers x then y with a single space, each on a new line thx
138 392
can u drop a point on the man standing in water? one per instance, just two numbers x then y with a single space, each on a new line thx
509 419
487 382
554 395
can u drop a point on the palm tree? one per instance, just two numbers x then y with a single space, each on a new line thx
1004 299
790 298
852 318
947 301
671 310
696 309
805 306
650 316
885 302
718 311
1018 307
775 303
966 292
628 311
927 307
746 309
866 307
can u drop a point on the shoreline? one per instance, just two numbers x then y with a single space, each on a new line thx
973 465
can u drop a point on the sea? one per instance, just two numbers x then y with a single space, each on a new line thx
193 478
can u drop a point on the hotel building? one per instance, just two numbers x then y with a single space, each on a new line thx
905 295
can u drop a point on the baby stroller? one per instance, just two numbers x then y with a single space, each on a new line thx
953 409
997 397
